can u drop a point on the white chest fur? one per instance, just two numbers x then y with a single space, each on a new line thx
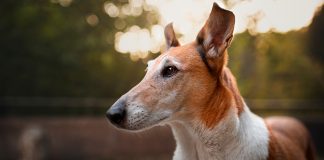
234 138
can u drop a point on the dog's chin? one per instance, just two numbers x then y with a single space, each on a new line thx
142 126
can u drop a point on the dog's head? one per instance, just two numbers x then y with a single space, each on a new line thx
180 82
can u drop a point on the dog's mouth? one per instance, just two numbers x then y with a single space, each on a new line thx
137 124
135 117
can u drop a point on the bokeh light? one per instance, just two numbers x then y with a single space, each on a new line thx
139 42
255 16
92 20
111 9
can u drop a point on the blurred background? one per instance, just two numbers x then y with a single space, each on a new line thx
64 62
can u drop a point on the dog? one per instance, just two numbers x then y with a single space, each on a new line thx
190 88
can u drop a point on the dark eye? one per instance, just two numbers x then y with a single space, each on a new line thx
169 71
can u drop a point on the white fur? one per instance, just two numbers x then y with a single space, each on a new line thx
234 138
165 60
150 64
140 118
169 98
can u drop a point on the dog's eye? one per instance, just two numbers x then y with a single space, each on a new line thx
169 71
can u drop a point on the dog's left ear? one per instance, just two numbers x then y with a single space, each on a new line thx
217 33
170 37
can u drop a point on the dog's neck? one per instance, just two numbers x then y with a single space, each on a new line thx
243 136
236 134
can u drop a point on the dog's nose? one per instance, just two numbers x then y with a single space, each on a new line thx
116 113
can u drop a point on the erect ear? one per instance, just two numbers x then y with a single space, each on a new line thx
217 33
170 37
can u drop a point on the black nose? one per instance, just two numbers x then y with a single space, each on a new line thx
116 113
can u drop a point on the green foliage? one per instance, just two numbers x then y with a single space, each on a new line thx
274 65
50 50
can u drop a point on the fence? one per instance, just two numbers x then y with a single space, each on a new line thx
76 128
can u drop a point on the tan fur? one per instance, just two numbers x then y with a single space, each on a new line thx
289 139
210 97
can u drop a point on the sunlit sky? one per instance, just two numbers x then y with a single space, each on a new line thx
188 16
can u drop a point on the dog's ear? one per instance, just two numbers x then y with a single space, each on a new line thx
170 37
217 33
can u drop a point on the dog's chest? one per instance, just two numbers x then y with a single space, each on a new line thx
240 138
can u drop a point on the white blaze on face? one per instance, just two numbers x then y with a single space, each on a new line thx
150 64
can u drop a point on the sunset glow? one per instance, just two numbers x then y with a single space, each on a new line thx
256 16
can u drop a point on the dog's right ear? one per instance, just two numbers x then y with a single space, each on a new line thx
170 37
